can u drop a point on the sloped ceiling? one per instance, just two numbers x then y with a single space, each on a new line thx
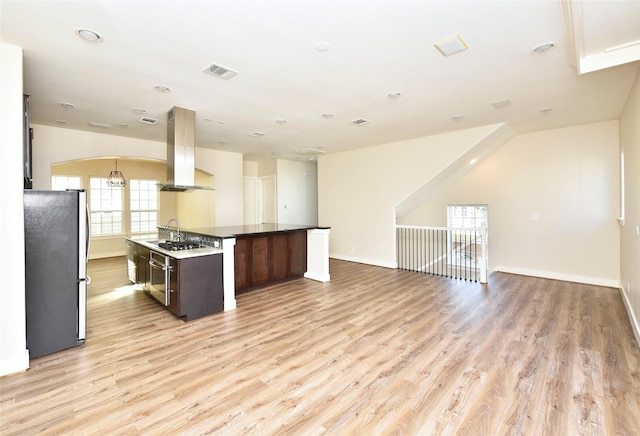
299 59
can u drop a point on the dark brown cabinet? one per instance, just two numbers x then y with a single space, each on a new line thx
142 269
241 263
196 286
298 253
268 257
260 258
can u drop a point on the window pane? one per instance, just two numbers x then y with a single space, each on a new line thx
60 183
106 207
144 205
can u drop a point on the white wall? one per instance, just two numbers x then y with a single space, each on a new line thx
297 192
359 189
13 341
630 232
569 179
227 167
53 144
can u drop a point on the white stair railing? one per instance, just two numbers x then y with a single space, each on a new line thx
447 251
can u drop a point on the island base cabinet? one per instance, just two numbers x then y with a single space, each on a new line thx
262 259
142 268
196 286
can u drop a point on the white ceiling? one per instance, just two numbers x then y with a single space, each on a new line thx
375 48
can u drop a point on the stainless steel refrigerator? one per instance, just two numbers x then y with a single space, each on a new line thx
56 248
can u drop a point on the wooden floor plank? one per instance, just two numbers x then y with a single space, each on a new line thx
374 351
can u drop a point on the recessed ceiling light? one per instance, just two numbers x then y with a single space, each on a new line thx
281 121
543 48
66 105
222 143
360 122
208 120
457 117
501 103
394 94
123 125
257 134
327 115
88 35
99 125
452 45
275 153
222 122
162 89
62 122
139 110
545 110
323 46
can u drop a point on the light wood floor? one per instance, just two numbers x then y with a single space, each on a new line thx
375 351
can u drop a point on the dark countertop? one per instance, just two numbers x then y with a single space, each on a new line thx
234 231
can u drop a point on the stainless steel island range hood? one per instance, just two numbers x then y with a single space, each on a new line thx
181 135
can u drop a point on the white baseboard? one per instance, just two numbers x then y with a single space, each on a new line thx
632 317
558 276
15 364
317 276
364 260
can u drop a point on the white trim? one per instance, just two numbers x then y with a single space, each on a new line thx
622 202
632 318
558 276
228 273
14 364
366 261
318 255
317 277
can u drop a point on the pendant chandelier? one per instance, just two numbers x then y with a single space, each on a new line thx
116 179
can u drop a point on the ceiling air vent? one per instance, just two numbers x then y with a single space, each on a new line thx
148 120
360 122
99 125
311 150
220 71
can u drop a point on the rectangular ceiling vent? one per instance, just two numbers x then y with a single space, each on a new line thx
452 45
220 71
99 125
148 120
360 122
311 150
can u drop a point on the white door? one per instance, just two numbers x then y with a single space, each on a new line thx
268 200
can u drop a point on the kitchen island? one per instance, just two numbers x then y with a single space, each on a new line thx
259 254
188 283
251 255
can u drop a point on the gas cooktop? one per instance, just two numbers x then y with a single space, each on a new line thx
179 245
